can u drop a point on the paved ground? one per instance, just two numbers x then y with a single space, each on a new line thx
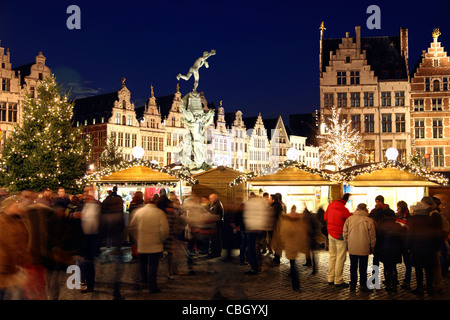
273 283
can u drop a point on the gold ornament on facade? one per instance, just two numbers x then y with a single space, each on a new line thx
436 33
322 26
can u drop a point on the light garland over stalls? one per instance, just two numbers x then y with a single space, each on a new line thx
179 174
349 175
286 164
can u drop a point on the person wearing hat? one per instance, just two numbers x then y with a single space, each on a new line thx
421 244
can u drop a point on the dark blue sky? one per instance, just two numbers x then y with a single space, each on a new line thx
267 51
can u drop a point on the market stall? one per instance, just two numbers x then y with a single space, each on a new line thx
393 180
298 184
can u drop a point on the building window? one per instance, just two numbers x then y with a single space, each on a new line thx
155 143
124 104
169 139
3 108
369 146
401 147
386 122
161 144
152 123
356 122
400 98
6 84
419 129
100 138
12 112
436 104
369 123
328 100
418 105
347 59
354 99
342 99
438 154
445 84
368 99
385 99
120 139
341 78
436 85
32 91
400 122
130 119
41 76
427 84
354 77
118 116
436 63
133 140
421 155
437 129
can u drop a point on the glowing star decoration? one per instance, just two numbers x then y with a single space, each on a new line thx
292 154
138 152
392 154
340 144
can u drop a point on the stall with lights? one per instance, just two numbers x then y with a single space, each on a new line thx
298 184
139 175
391 179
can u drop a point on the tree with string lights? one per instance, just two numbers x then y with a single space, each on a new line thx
339 143
46 150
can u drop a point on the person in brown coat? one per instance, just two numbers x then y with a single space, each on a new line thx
294 239
13 249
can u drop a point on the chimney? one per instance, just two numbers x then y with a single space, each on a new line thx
358 38
404 46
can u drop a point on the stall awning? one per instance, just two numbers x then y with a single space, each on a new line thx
138 174
388 175
291 176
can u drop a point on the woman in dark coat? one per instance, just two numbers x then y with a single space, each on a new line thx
391 243
421 244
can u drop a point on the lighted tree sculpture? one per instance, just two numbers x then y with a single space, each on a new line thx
340 144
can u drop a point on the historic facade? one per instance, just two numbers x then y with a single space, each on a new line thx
368 79
430 106
15 84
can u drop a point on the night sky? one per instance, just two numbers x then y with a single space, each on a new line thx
267 51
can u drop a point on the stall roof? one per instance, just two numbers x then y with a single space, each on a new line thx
291 176
220 172
389 175
140 171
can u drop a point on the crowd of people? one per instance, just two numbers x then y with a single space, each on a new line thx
44 233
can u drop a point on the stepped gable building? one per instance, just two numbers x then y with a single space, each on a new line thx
368 79
430 106
15 83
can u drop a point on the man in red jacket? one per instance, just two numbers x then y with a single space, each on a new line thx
335 217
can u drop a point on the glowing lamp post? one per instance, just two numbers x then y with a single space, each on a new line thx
391 154
138 152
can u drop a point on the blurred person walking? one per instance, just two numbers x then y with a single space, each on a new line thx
275 242
294 233
216 209
150 228
335 217
90 224
136 203
421 242
256 219
313 226
402 218
112 227
13 249
166 205
359 234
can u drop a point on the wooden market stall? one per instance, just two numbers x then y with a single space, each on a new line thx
299 185
394 181
217 180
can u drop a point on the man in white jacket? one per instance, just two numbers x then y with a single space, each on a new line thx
150 228
359 234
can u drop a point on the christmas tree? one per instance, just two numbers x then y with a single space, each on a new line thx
46 150
340 144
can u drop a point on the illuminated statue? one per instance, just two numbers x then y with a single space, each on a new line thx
193 71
